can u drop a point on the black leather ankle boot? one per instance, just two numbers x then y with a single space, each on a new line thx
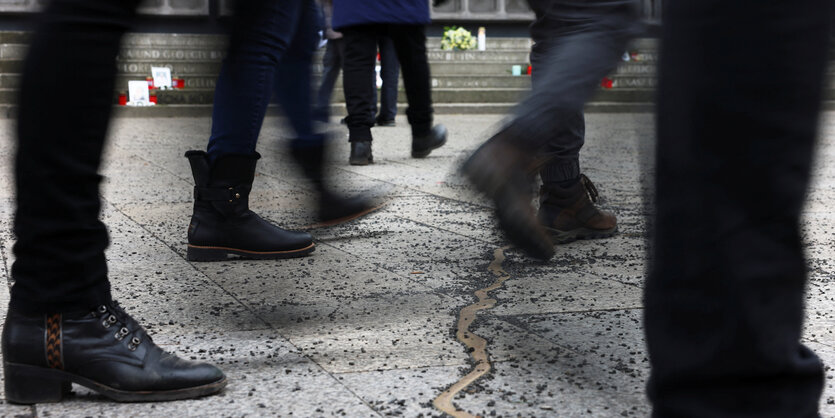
333 207
222 223
105 350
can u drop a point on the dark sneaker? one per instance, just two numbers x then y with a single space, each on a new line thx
361 153
423 145
501 171
569 213
104 350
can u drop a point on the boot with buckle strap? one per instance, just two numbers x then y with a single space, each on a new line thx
222 223
568 213
103 349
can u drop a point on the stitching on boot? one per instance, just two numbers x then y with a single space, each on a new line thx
54 352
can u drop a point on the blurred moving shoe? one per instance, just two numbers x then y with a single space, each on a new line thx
333 207
103 349
222 223
502 171
569 214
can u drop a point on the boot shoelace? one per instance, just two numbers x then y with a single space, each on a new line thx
590 189
115 314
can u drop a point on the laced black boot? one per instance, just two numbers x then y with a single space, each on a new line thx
333 207
222 223
104 350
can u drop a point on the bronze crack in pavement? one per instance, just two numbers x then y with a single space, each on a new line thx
476 345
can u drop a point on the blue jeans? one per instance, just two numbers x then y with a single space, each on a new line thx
271 48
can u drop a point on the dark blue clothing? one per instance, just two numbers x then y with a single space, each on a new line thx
362 12
267 33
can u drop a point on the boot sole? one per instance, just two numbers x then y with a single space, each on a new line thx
565 237
28 385
202 253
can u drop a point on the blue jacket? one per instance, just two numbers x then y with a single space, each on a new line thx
362 12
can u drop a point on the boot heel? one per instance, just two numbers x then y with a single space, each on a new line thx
30 385
205 254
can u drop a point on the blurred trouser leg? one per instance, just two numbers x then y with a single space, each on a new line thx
357 79
60 263
573 66
566 200
736 130
389 72
332 63
562 151
262 31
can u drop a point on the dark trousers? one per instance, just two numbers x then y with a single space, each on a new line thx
331 67
562 152
360 52
736 128
389 73
60 264
270 52
578 44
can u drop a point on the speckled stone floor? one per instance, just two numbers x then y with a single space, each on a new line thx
366 325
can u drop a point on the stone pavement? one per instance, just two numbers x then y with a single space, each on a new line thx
366 325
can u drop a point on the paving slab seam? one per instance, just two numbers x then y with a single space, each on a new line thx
476 345
267 324
161 241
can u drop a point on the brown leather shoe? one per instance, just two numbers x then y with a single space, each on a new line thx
569 213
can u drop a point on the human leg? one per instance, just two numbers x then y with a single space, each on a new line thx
724 297
566 199
292 89
222 223
358 76
410 45
61 317
586 53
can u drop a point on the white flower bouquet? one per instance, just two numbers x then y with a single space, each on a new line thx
457 38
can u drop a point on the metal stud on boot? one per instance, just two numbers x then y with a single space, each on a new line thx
222 223
103 349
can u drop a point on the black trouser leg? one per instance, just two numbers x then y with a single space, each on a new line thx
357 79
724 298
410 44
60 264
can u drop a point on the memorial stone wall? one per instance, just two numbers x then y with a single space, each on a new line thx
452 10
